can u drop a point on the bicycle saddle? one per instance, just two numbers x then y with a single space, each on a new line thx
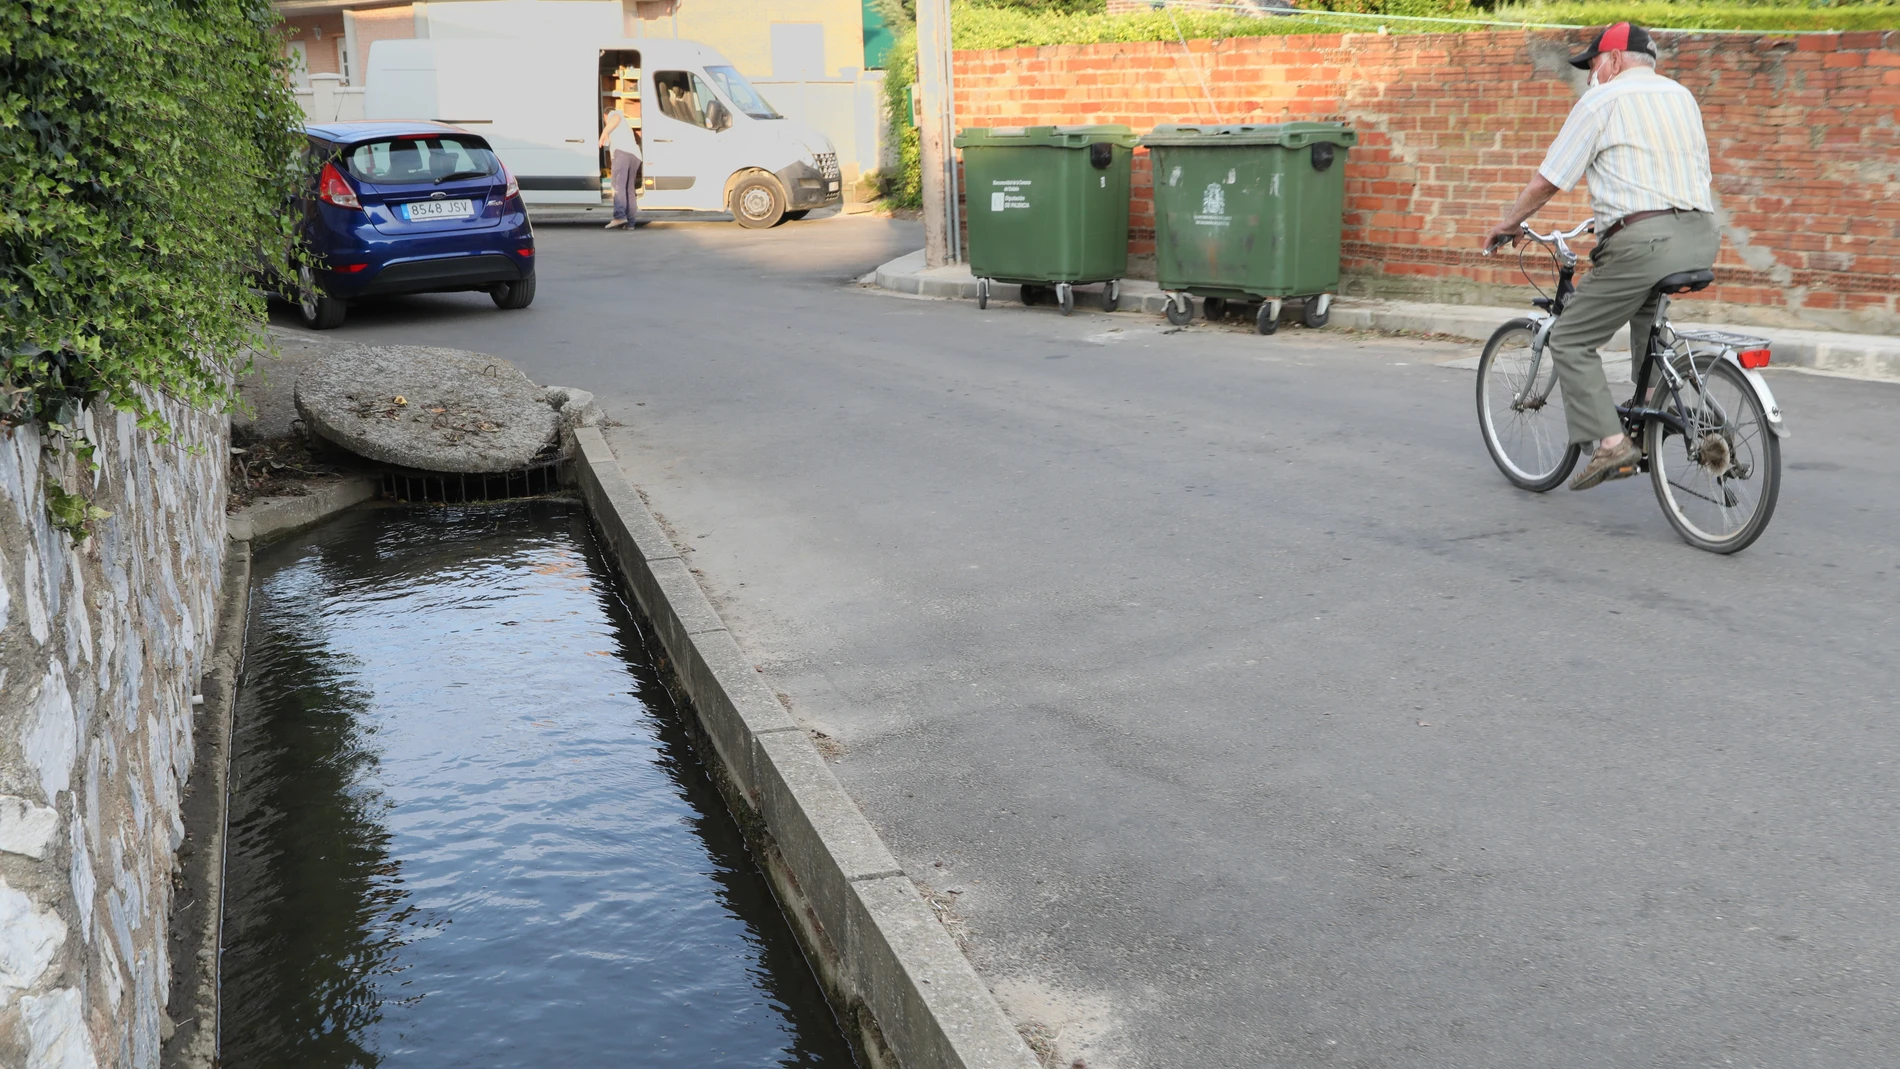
1686 281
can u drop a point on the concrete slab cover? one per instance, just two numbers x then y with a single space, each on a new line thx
427 408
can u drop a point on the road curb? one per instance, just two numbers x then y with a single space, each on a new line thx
1872 357
894 974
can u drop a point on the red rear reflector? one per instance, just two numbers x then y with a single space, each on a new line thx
524 252
332 189
1753 358
349 269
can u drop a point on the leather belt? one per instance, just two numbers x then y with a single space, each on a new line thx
1637 217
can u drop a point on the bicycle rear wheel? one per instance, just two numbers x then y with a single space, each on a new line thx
1718 483
1521 411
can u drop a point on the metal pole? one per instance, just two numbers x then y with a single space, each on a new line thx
935 128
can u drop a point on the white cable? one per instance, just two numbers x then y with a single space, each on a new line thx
1198 76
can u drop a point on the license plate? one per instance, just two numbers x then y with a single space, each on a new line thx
438 209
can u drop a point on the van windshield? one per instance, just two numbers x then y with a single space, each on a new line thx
400 161
741 93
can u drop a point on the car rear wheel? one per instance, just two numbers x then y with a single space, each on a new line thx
757 203
516 294
317 309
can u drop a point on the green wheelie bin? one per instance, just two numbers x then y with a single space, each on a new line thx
1048 208
1249 213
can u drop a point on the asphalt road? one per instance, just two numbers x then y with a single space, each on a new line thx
1251 716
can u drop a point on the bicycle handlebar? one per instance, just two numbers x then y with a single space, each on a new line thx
1555 237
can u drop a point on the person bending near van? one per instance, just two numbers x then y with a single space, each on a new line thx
617 134
1637 138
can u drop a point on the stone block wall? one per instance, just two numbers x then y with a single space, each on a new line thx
1804 133
100 647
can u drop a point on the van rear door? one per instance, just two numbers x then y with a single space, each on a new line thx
536 105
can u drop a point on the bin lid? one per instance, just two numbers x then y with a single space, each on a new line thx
1286 134
1050 136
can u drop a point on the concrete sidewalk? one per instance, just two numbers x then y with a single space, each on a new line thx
1863 356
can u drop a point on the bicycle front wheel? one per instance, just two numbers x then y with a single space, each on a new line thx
1719 477
1521 411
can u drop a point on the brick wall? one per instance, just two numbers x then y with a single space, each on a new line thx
1802 130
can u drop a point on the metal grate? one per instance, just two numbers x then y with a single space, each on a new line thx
449 487
828 163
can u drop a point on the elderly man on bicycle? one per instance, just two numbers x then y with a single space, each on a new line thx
1637 137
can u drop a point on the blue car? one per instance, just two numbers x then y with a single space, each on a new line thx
408 207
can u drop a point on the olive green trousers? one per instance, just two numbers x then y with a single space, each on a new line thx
1619 289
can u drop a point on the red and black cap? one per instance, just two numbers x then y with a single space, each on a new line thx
1622 37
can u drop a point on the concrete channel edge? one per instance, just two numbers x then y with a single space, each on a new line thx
197 925
875 942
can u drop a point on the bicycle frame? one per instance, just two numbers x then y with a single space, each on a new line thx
1656 350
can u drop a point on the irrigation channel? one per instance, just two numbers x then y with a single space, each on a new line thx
468 828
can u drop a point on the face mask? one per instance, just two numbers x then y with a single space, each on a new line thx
1593 80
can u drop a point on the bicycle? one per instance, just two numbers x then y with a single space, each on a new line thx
1710 431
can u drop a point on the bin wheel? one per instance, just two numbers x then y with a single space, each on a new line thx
1031 294
1111 295
1214 309
1315 312
1267 319
982 293
1180 309
1065 297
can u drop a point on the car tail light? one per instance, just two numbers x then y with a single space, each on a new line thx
1753 358
349 269
332 189
514 187
524 252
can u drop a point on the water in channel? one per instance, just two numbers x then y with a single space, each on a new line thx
467 829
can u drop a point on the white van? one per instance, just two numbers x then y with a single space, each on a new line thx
709 141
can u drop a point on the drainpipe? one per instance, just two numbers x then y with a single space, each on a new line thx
354 76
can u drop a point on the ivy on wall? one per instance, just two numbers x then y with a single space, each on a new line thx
146 151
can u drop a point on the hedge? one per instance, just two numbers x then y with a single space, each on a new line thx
146 148
987 26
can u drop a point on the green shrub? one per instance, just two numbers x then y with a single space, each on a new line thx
1733 15
146 148
904 187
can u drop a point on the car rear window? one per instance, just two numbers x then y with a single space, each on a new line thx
420 160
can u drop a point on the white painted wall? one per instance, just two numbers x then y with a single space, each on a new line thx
327 99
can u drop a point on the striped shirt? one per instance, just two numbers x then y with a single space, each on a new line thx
1638 139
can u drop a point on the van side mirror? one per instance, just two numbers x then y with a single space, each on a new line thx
717 117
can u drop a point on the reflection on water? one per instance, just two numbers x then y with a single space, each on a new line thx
466 829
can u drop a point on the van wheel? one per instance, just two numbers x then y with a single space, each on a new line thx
796 214
757 203
511 295
317 309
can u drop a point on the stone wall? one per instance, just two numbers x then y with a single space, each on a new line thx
1804 133
100 647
